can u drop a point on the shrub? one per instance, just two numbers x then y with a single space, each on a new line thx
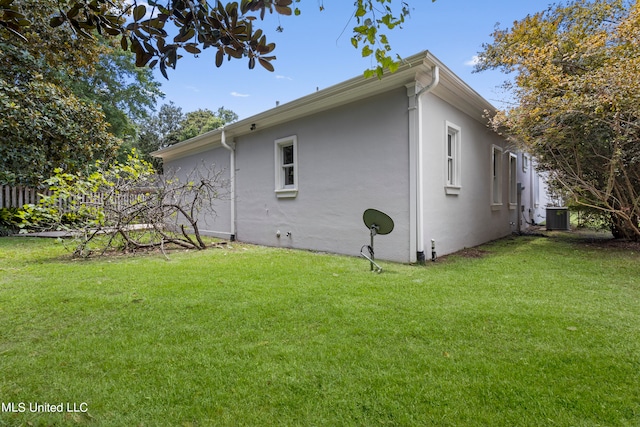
9 220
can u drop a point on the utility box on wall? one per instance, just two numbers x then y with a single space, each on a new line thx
558 219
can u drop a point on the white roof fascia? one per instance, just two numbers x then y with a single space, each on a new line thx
194 145
414 68
458 93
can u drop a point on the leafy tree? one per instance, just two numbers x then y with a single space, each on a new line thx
170 117
227 116
198 122
58 82
171 126
576 85
124 92
44 125
59 51
201 121
141 27
158 131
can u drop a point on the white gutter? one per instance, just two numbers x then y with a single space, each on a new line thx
232 175
416 133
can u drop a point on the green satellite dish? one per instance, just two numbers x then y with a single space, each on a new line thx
378 223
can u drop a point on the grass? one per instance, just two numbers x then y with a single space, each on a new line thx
532 332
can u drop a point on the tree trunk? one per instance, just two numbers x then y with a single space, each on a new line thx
625 228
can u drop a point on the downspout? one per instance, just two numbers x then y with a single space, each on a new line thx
435 79
232 175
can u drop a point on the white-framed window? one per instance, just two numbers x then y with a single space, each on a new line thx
496 176
513 181
286 166
453 156
525 162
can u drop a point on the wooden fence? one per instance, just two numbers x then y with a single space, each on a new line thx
18 196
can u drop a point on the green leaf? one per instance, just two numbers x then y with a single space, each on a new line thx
371 34
393 66
184 35
56 21
112 31
266 64
233 52
283 10
161 45
192 48
219 57
139 12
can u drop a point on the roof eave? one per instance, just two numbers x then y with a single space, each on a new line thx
456 91
413 68
190 146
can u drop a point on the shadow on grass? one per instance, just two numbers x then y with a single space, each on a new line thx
581 238
594 239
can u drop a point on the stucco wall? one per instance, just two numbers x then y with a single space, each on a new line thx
356 157
466 219
218 225
349 159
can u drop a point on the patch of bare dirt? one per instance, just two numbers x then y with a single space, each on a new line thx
471 253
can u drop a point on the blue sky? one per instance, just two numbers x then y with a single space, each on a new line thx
315 51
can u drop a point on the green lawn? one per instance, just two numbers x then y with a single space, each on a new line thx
534 332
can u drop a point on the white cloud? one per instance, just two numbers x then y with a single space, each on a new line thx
279 77
239 95
473 61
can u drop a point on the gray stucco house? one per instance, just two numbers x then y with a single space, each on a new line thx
414 144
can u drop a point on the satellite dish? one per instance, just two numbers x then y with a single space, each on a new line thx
378 223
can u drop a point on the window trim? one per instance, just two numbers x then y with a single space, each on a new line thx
496 174
525 162
453 162
513 180
536 188
282 190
